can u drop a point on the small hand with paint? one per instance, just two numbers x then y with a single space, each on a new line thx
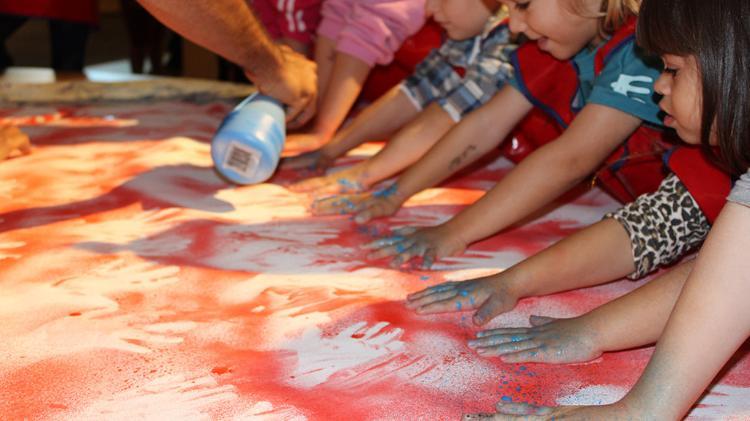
342 182
13 141
430 243
548 340
366 205
509 411
315 161
489 295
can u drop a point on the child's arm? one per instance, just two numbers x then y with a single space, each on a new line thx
594 255
536 181
378 121
709 322
348 74
479 132
405 148
660 228
633 320
712 312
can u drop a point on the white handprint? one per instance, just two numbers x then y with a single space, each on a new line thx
320 357
10 246
165 398
131 228
118 275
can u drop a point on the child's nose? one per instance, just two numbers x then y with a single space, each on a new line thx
516 22
662 84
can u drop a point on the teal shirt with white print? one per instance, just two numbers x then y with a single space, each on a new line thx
626 82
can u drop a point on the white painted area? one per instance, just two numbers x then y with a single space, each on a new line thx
120 231
78 313
723 402
7 246
266 411
170 397
594 395
293 303
283 247
320 357
8 187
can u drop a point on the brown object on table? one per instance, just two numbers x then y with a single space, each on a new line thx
84 92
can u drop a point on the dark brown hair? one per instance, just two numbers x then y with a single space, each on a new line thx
717 34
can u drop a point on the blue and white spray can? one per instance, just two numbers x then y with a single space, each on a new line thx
247 146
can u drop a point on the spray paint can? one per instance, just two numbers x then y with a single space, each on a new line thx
247 146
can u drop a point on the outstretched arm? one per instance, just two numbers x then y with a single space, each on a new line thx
547 173
710 321
229 28
536 181
376 122
466 142
594 255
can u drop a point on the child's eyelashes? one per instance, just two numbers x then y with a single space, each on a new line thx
670 71
521 6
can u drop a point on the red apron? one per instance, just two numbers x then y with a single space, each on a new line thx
636 167
708 184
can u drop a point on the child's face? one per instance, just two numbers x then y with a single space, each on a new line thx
680 86
461 19
555 26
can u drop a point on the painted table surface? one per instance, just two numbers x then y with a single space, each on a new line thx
134 283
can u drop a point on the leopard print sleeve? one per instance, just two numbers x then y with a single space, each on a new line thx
662 226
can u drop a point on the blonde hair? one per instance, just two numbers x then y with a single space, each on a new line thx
612 13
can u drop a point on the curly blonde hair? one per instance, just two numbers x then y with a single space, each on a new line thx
612 13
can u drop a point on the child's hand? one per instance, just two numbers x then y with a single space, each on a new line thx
342 182
13 141
549 340
526 412
366 205
430 243
490 295
315 161
509 411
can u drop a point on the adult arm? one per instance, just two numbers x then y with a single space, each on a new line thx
229 28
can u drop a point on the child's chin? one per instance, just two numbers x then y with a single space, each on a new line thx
459 36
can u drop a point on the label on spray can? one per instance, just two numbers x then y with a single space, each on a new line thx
242 158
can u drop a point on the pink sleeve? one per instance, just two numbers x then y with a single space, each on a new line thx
334 15
375 29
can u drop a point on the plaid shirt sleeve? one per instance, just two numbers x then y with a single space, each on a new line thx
435 76
485 75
